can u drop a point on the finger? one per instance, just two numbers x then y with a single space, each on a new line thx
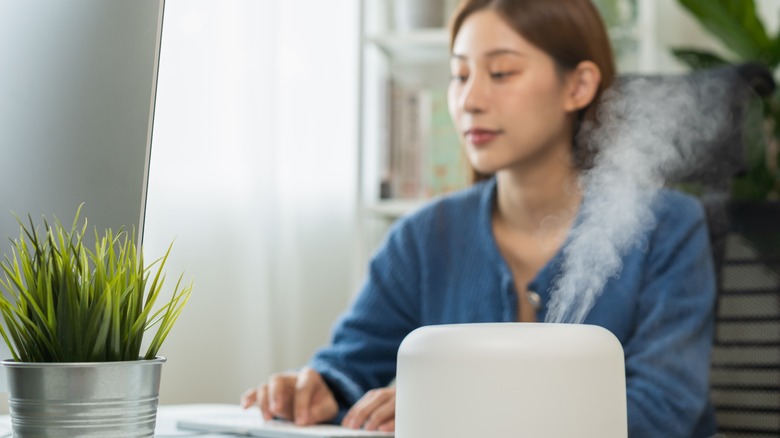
381 415
281 393
263 403
248 398
388 426
324 406
359 413
356 415
306 386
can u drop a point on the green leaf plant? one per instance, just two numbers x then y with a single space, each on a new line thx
737 25
64 302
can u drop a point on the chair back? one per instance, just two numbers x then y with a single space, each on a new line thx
745 238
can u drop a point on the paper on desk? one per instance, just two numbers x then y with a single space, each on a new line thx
233 419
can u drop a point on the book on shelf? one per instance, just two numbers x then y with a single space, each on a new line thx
422 156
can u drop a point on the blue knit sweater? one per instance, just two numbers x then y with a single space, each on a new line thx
442 265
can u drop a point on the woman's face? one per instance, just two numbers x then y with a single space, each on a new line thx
506 97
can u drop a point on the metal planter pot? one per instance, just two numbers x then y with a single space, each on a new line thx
100 399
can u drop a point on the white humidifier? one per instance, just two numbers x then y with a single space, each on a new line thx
509 380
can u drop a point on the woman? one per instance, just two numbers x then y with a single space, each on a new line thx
526 75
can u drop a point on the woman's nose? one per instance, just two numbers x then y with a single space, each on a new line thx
474 97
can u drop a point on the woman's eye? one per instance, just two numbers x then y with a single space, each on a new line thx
459 78
501 74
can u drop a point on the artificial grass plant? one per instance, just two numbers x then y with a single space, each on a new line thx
63 302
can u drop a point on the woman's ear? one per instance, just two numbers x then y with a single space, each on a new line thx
582 83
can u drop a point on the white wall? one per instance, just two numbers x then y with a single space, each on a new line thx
254 173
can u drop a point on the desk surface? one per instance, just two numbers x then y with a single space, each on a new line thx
167 416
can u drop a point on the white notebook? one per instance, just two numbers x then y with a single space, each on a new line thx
250 423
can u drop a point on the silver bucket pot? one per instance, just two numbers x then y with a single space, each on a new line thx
100 399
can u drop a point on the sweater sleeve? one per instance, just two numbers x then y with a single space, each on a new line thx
365 340
668 354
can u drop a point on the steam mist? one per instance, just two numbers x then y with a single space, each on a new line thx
651 131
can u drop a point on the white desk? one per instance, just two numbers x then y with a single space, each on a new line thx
167 416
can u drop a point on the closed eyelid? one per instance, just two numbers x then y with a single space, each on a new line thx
489 65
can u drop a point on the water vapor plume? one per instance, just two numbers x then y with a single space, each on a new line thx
651 131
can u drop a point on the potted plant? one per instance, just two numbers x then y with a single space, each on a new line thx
738 26
754 207
74 322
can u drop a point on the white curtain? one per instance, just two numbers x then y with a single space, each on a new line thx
254 174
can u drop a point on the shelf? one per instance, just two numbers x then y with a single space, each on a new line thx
394 208
425 45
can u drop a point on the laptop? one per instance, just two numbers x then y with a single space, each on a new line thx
250 423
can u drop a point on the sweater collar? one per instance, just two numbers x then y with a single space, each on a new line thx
543 282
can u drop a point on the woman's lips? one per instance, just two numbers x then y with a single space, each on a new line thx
480 137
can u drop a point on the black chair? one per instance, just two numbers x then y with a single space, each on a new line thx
745 371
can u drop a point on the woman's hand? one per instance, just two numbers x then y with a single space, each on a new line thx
374 411
302 397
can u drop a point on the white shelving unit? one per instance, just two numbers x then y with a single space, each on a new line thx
425 45
418 57
393 209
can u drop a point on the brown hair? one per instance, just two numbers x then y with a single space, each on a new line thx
570 31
